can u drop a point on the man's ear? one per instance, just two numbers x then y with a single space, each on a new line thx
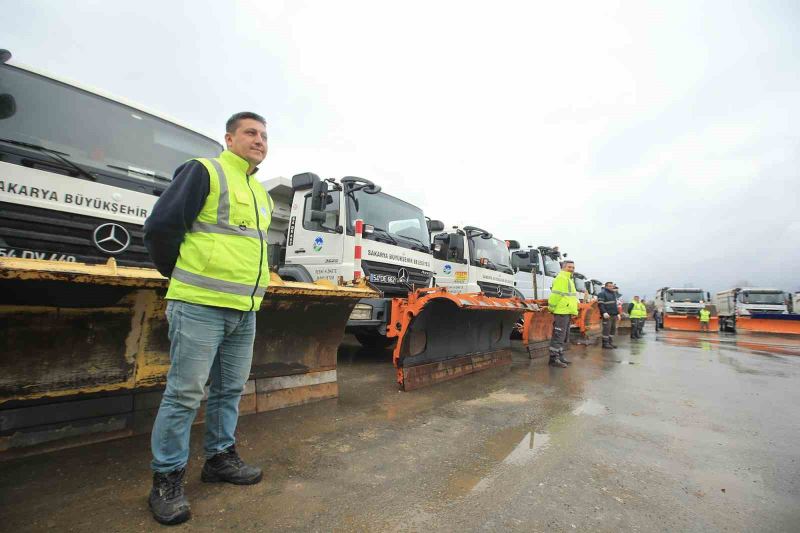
228 139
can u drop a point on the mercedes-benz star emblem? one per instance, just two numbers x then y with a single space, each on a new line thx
111 238
402 275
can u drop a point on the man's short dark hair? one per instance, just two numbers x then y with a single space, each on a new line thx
233 122
609 283
565 261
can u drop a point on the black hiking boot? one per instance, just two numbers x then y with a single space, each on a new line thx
607 345
228 466
167 501
564 359
555 361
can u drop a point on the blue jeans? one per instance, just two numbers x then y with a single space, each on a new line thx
205 342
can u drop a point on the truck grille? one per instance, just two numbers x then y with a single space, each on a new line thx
385 277
680 310
496 290
38 233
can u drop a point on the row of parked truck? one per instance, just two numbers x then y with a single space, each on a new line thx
82 311
742 309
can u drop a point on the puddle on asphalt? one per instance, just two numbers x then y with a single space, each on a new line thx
527 449
590 407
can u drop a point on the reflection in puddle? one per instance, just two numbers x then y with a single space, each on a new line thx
590 407
525 451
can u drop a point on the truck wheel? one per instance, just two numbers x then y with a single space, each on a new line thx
374 341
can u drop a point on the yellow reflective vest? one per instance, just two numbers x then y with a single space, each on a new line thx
563 298
223 257
639 310
705 315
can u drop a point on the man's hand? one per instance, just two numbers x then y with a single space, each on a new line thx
606 316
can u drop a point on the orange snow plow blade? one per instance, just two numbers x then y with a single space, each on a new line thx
537 328
588 320
689 323
782 324
442 335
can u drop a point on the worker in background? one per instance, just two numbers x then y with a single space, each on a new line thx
656 317
207 234
638 313
705 318
563 304
607 302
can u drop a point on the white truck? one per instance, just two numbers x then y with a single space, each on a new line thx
680 304
535 269
471 260
748 302
319 217
80 170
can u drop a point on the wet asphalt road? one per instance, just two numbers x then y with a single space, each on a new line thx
675 432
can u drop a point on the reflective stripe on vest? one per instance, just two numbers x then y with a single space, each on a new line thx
212 284
564 293
224 212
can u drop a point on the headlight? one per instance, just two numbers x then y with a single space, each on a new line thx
667 309
361 312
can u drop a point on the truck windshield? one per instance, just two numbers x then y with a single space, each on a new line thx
551 266
495 250
389 214
685 296
580 284
94 131
774 298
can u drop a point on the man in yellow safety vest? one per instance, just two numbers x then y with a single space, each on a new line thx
638 313
563 304
705 318
207 233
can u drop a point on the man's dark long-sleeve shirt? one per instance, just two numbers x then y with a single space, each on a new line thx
607 302
174 213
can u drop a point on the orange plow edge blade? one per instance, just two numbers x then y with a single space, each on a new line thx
779 324
588 321
689 323
443 336
537 328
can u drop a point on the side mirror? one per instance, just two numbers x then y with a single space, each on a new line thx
8 106
319 196
306 180
435 225
513 245
457 245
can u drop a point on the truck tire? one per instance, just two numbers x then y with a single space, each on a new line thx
373 340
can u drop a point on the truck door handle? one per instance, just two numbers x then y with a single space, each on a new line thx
300 251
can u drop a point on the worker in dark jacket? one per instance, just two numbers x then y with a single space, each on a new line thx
607 302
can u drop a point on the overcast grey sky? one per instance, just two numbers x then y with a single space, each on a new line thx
657 143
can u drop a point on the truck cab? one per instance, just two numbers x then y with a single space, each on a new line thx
80 170
681 301
471 260
582 285
320 242
746 302
536 268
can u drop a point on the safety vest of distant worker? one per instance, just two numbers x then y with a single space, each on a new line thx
705 315
639 310
563 298
223 257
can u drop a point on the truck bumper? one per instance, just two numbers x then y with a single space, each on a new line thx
370 313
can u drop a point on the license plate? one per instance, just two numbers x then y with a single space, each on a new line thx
383 278
33 254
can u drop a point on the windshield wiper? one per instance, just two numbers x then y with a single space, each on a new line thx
54 154
386 234
414 239
141 172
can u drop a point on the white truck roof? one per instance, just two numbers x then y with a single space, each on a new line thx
107 96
